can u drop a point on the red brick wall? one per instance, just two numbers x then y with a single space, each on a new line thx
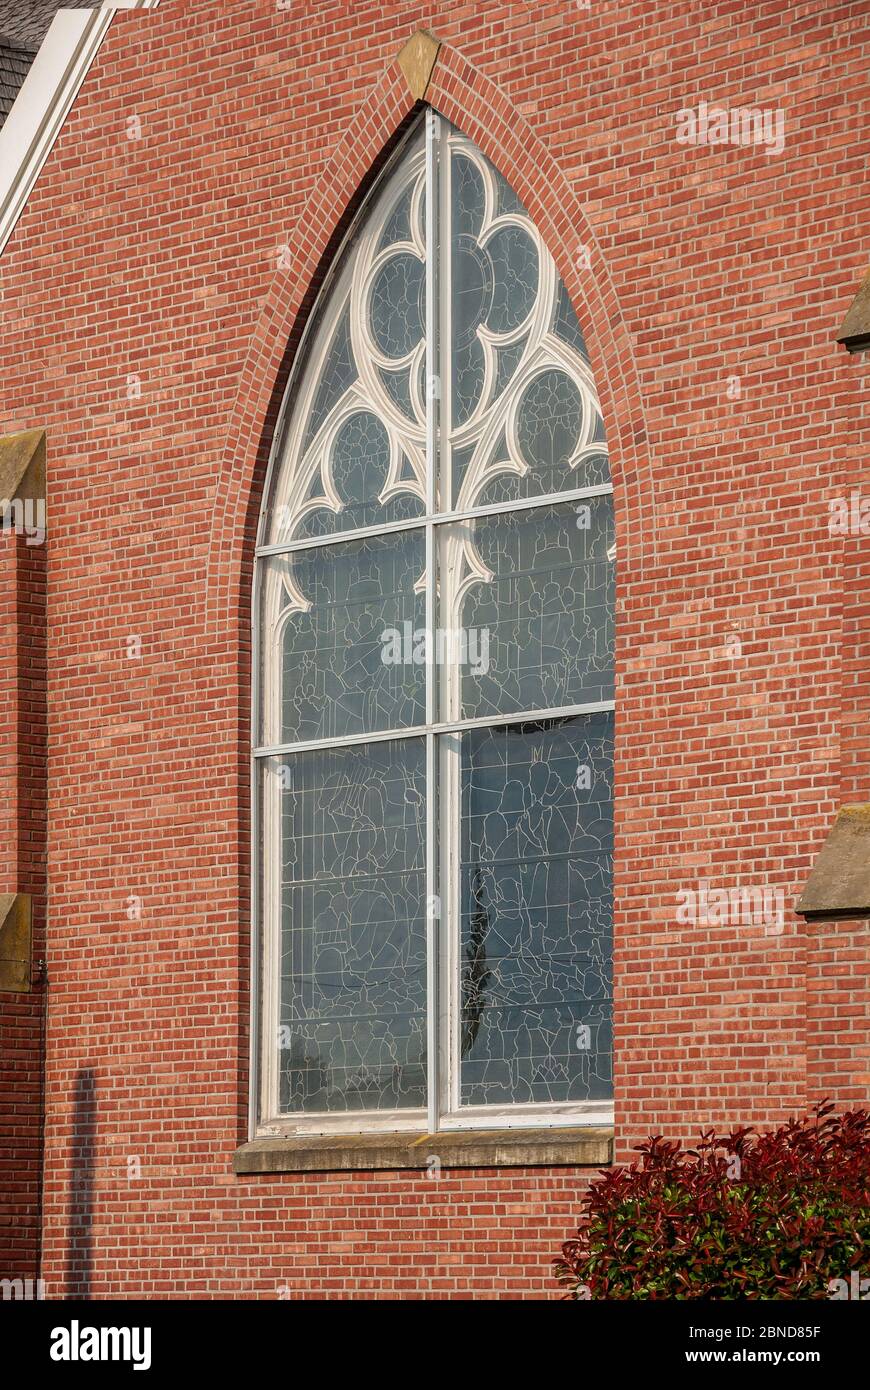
838 1040
155 259
838 1023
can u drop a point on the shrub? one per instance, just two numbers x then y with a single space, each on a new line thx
742 1216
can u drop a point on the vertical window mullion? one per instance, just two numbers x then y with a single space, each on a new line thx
257 1069
449 760
449 786
444 289
433 913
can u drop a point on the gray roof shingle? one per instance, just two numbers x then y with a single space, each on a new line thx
14 64
25 22
23 26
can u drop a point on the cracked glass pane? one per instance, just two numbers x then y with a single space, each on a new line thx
537 615
349 623
352 1007
536 912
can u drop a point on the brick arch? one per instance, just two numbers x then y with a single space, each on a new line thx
316 235
467 98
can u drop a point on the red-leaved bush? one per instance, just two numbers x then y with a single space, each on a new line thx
744 1215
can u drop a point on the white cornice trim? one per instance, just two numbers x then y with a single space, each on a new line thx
45 100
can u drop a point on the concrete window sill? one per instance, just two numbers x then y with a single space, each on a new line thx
586 1147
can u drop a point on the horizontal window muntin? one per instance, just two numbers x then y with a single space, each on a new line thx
448 727
579 494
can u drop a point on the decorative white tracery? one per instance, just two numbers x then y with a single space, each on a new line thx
497 413
306 460
491 429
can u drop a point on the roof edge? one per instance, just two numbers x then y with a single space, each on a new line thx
855 332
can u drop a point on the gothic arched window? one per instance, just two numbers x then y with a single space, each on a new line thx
434 680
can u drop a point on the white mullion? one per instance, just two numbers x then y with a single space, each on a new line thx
455 726
528 504
433 945
388 528
450 769
433 133
535 716
433 915
362 533
433 413
258 868
445 272
451 866
451 695
314 745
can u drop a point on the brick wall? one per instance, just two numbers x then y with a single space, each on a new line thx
146 327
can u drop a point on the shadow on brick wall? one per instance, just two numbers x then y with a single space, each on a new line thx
81 1202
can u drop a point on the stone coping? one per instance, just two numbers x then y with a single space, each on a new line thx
554 1147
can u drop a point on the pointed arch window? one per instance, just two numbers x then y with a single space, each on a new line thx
434 680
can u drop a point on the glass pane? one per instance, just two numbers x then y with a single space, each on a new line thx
535 626
348 622
349 895
525 419
353 451
536 912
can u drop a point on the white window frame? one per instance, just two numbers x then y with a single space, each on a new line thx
441 735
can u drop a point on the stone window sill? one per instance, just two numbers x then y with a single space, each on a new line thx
586 1147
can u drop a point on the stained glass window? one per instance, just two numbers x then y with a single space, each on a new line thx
434 686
